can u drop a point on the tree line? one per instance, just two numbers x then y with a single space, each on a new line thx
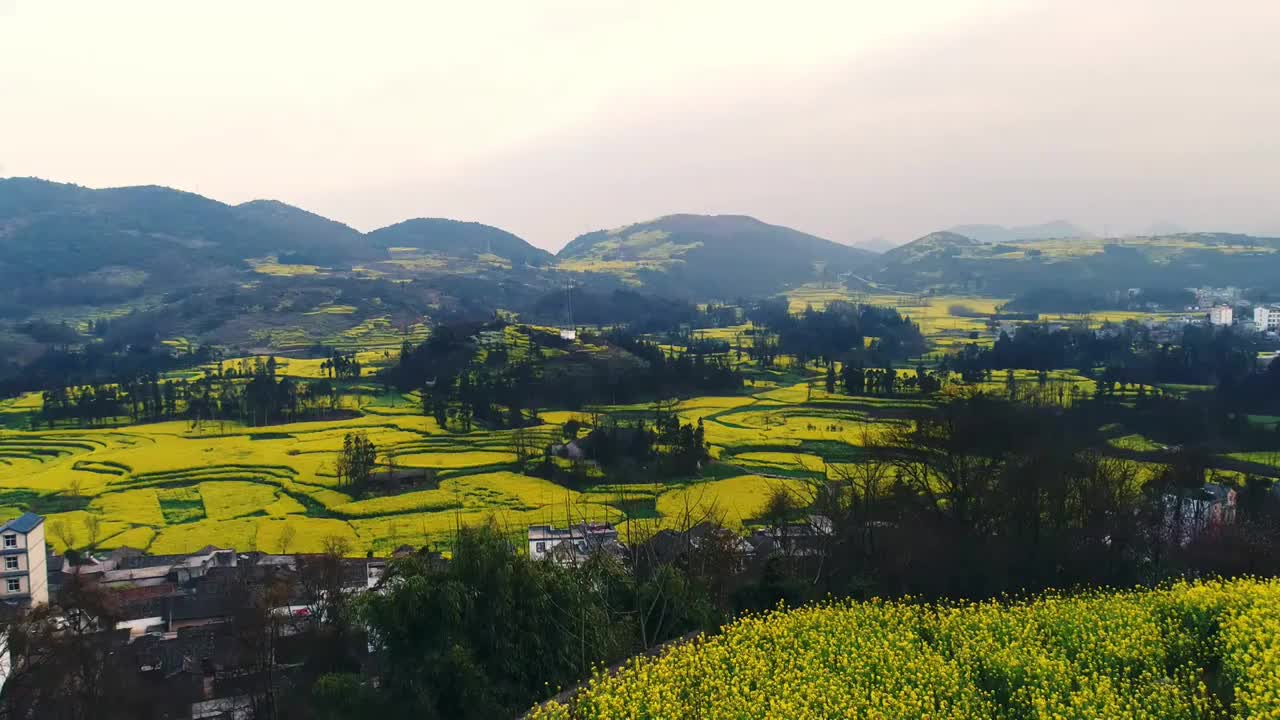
468 373
833 333
250 392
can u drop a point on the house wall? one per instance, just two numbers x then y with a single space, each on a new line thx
138 626
19 538
21 559
37 562
24 585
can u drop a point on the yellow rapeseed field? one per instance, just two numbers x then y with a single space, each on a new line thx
1102 655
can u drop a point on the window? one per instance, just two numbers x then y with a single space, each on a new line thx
11 563
13 585
541 547
11 541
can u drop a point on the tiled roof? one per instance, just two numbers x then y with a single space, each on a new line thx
24 523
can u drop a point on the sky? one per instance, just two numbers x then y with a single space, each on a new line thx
848 119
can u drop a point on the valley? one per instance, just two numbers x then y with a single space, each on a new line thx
672 429
175 486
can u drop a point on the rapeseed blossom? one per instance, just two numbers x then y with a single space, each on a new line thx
1191 650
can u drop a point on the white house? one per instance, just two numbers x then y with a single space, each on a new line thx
1266 318
24 577
572 545
1220 315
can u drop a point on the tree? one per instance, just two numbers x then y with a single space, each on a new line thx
521 445
287 535
63 534
486 635
356 460
64 666
93 530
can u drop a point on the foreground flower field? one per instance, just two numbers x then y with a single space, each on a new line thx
1203 650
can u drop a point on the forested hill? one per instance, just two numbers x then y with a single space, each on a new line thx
452 238
951 262
67 245
712 255
326 241
934 245
52 229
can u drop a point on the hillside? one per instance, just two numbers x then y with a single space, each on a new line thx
173 267
52 230
948 261
305 237
119 242
454 239
932 246
710 256
56 230
1188 651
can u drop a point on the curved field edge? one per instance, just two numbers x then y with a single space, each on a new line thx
1189 650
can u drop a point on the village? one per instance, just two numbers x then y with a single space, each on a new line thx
192 628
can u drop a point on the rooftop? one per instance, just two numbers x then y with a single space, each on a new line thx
24 523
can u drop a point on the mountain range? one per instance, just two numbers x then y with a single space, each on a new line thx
232 272
112 240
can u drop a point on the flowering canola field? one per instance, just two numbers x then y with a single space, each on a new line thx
169 487
1202 650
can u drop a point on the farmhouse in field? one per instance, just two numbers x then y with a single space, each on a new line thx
572 545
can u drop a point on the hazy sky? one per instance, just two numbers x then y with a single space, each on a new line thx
550 118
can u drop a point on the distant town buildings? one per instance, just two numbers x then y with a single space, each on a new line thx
1266 318
1208 297
24 579
1220 315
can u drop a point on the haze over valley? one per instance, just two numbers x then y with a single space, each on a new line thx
601 360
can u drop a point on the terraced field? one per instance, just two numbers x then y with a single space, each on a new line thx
167 487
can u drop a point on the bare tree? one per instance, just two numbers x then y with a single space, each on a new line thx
337 546
521 446
287 535
63 534
93 531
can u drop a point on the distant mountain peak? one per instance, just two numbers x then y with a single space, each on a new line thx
716 256
1042 231
458 238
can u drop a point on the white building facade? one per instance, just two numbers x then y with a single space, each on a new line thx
1266 318
571 545
1220 315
